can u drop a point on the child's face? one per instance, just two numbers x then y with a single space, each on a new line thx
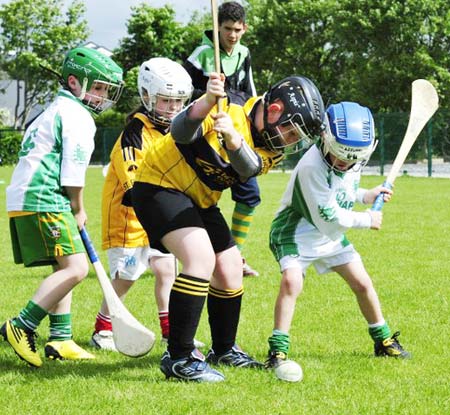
100 96
288 133
97 93
167 107
340 165
230 33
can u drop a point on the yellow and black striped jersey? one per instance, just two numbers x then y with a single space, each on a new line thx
202 169
120 226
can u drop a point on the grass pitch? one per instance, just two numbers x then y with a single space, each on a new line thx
408 261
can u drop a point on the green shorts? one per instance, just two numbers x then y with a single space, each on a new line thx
38 238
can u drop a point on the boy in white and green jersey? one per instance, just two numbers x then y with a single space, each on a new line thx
316 211
45 201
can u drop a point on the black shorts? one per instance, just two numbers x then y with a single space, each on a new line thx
161 210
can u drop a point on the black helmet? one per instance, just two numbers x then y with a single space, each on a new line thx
303 115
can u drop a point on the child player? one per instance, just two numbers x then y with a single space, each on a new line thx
45 201
309 228
175 198
164 87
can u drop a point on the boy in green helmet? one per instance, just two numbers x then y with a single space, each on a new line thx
45 201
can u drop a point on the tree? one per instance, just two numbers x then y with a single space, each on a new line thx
289 37
151 32
388 44
362 50
36 33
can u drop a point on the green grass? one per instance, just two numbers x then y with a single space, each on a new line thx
408 261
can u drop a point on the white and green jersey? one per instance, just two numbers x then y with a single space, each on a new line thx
316 209
55 152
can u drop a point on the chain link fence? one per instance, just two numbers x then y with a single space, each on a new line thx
429 156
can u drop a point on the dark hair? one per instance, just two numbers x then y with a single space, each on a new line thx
231 10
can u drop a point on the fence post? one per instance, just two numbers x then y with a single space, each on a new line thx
381 144
430 147
104 147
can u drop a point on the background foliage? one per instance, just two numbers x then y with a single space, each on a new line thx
35 33
367 51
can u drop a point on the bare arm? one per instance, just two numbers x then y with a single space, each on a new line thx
369 198
75 195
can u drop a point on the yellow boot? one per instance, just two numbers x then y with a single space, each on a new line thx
66 350
23 343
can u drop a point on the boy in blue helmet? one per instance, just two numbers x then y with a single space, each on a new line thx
316 211
45 201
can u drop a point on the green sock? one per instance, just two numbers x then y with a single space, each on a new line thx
240 223
379 332
30 317
60 327
279 342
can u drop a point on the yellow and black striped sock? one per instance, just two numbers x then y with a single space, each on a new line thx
187 298
241 220
224 308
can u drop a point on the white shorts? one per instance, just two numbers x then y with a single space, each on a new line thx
322 264
130 263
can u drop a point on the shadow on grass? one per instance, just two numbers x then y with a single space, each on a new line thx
105 365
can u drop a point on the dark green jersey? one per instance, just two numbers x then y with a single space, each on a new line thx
236 66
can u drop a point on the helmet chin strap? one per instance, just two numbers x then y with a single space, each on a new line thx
83 89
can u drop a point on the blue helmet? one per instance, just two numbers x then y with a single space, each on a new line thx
350 135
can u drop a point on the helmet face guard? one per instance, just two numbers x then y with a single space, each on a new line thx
303 115
287 136
101 96
162 108
350 134
164 87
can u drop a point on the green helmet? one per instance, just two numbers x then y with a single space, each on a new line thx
93 68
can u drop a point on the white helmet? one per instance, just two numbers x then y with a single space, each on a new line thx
162 77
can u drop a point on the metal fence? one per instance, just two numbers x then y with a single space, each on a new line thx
431 152
432 148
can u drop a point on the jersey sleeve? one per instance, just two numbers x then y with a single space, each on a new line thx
269 159
128 154
77 131
325 213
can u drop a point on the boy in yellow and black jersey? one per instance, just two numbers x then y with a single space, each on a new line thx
164 87
202 169
175 198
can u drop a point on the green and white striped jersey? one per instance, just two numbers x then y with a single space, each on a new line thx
316 209
55 152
